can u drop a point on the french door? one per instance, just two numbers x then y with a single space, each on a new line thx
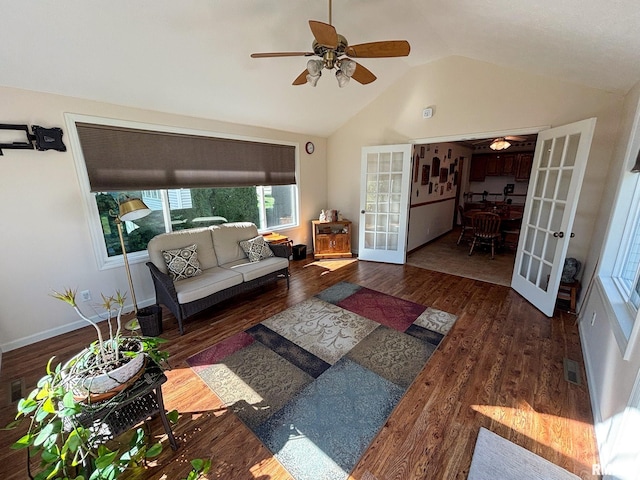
559 163
384 203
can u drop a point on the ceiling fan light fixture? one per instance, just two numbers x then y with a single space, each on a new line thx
315 67
342 78
313 79
348 67
499 144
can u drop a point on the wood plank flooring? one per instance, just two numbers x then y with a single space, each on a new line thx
500 367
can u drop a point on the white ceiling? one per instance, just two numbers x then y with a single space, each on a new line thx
191 57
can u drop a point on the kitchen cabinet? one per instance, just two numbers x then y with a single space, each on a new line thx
516 165
478 169
523 167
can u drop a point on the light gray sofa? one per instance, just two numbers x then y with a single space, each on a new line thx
226 269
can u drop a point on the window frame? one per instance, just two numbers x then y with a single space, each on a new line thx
103 261
623 315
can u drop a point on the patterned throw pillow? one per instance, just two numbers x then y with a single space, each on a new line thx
182 262
256 249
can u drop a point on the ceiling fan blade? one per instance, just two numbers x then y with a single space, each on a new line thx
302 78
389 48
324 34
515 138
363 75
282 54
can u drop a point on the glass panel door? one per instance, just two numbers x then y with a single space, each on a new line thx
385 203
558 169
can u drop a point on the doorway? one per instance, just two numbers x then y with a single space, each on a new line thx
482 179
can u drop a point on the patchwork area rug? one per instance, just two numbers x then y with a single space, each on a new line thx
316 382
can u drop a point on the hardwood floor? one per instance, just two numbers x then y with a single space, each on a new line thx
500 367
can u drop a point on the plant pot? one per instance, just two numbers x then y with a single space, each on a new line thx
101 386
150 320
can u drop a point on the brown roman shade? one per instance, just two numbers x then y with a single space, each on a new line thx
120 159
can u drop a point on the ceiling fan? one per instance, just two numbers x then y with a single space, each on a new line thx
333 48
501 143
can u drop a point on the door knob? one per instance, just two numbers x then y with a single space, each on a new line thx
362 211
572 235
558 234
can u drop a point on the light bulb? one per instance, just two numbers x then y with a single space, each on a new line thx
314 67
348 67
342 78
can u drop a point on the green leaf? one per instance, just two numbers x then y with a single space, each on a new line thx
27 405
197 464
44 434
44 390
23 442
106 460
68 400
154 450
72 443
57 467
48 406
173 416
12 425
50 455
41 415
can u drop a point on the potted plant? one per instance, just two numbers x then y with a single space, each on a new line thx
66 447
110 364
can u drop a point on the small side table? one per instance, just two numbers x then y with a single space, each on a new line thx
140 401
568 292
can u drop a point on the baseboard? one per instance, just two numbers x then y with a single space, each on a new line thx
595 405
53 332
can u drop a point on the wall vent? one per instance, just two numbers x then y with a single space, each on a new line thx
572 372
17 390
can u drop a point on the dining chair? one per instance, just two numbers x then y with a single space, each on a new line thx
466 224
486 230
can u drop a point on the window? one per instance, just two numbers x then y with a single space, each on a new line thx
618 273
269 207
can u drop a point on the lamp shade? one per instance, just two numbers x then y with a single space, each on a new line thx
499 144
133 209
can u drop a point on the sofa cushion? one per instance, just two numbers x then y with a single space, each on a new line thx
167 241
211 281
252 270
182 262
227 238
256 248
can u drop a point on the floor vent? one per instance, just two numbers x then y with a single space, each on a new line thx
17 390
572 372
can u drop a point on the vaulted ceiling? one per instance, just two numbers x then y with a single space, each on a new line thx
191 57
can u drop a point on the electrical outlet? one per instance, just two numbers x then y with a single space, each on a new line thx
85 295
593 318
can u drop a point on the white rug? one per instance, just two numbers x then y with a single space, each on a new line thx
497 458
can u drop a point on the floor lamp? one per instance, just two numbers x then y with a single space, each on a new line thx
130 209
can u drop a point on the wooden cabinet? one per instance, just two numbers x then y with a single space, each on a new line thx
478 169
331 239
508 164
500 164
523 167
516 165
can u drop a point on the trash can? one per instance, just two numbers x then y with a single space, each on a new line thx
299 252
150 320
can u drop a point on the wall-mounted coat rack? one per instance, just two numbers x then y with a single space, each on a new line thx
44 138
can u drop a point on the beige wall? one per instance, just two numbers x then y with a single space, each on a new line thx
474 97
46 242
610 376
